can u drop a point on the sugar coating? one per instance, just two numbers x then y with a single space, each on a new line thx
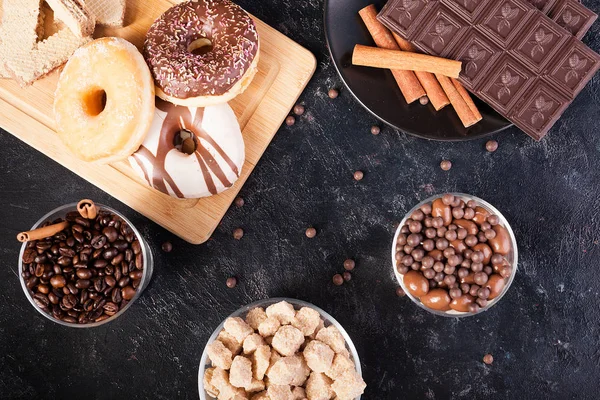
317 329
283 311
289 371
240 374
255 317
220 355
255 386
238 328
341 363
349 385
306 320
333 338
208 386
252 342
280 392
299 393
287 340
230 342
318 356
269 327
318 387
261 360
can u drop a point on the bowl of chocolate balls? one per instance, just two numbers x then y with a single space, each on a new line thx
455 255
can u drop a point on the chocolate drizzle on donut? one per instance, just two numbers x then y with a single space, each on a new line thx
179 118
182 74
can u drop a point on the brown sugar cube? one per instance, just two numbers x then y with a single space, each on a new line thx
230 392
280 392
261 360
240 374
252 342
289 371
317 329
261 396
255 386
219 355
333 338
238 328
307 320
349 385
341 364
255 317
318 387
283 311
230 342
287 340
318 356
269 327
208 386
299 393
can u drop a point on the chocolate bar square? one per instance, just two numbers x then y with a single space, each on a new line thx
441 28
574 17
470 10
543 5
404 14
539 42
505 20
477 53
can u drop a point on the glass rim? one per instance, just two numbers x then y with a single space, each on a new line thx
147 256
264 303
513 260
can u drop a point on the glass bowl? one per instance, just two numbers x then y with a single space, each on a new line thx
512 257
61 212
327 319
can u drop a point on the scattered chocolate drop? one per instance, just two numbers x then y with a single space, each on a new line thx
400 292
488 359
424 100
349 264
375 130
299 109
358 175
238 233
239 202
347 276
491 146
333 93
338 280
231 282
290 120
167 247
446 165
311 233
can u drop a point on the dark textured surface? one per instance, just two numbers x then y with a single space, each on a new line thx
544 335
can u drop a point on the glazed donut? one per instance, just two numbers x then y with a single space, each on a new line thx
227 40
104 101
191 152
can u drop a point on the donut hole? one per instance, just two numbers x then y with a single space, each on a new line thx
200 46
94 102
185 142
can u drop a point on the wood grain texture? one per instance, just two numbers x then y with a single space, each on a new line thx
284 70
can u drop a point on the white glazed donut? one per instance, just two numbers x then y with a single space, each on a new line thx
168 162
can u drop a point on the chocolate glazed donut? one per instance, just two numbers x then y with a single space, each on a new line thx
202 52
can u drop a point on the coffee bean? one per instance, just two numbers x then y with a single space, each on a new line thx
116 296
69 301
136 247
58 281
110 280
111 233
338 280
29 255
128 292
72 288
110 308
83 283
109 254
41 300
124 281
231 282
99 241
136 274
119 258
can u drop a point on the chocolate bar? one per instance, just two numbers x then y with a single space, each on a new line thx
515 58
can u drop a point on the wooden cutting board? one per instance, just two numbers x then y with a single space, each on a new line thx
284 70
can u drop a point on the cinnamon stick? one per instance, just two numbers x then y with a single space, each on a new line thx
407 80
87 209
42 233
458 102
396 59
434 90
467 98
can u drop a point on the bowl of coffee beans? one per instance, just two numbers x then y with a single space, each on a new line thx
455 255
88 273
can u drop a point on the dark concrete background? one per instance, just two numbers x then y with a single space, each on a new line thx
544 335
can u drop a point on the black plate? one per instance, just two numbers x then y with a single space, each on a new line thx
377 91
